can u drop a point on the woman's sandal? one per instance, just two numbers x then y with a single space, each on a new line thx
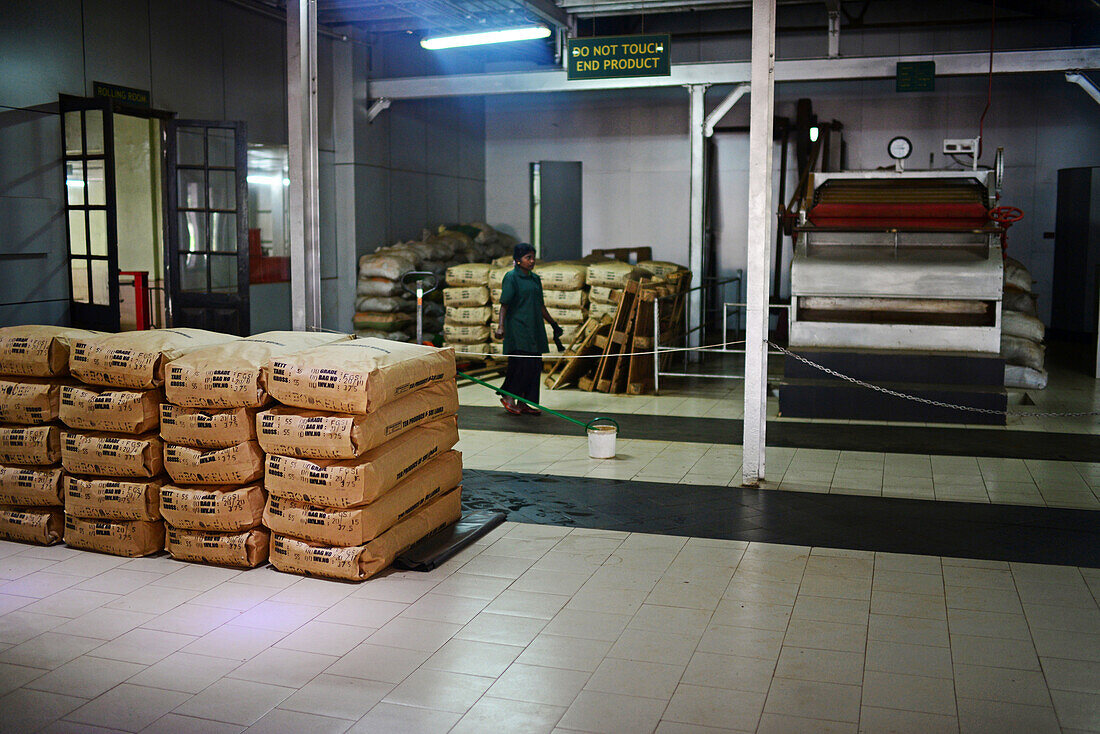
510 406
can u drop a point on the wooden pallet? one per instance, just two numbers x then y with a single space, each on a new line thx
566 370
672 310
641 378
619 341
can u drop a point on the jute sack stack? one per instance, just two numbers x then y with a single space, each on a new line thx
356 481
111 449
1022 333
214 504
34 367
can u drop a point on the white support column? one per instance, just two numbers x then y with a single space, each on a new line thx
697 93
305 218
346 94
758 275
832 7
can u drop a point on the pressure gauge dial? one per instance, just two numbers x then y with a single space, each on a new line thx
900 148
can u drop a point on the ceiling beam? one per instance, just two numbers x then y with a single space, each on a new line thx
737 72
549 12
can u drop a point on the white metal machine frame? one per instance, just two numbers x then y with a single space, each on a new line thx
943 288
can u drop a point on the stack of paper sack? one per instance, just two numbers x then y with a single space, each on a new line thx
563 293
359 459
111 449
466 299
34 366
214 504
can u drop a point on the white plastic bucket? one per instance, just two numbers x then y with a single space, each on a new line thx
601 438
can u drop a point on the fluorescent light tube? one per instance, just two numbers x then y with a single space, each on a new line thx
480 39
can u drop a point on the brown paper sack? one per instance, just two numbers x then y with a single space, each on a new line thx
130 539
357 376
466 295
241 550
238 464
230 375
22 485
360 562
358 525
33 445
29 401
112 499
222 509
37 351
207 428
32 525
312 434
136 359
348 482
117 411
111 455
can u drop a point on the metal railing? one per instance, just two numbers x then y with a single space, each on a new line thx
686 333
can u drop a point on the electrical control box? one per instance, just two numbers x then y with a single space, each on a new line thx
964 146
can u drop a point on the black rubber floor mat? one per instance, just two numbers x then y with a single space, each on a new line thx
954 529
435 549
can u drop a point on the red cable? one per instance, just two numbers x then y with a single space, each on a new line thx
989 94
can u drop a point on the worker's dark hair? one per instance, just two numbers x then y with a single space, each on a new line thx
520 250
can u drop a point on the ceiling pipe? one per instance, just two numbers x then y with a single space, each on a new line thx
1076 77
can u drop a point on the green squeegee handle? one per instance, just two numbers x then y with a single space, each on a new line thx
464 376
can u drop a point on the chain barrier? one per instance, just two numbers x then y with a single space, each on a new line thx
925 401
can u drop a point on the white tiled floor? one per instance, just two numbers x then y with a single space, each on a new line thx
548 629
954 478
918 476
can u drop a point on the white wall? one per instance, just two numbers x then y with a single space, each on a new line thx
634 150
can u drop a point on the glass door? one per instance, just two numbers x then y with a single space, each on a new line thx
87 133
207 218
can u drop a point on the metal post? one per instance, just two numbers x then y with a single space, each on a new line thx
759 240
305 228
695 218
833 9
656 345
419 312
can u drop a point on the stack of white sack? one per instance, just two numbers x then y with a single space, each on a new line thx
34 367
358 465
1022 332
111 451
214 504
606 280
466 300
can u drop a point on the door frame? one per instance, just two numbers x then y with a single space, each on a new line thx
91 314
176 296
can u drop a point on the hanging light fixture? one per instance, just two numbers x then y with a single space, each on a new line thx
505 35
